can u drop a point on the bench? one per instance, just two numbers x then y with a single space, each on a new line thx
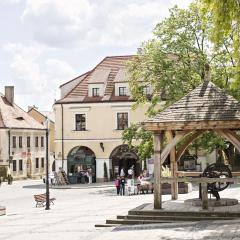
41 200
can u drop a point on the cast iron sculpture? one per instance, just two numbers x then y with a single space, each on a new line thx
216 170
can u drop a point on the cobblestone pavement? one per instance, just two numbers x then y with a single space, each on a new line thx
77 210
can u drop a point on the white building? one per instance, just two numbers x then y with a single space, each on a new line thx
22 139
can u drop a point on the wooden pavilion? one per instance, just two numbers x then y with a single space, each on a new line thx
206 108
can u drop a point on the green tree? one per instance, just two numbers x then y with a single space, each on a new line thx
140 140
226 24
174 62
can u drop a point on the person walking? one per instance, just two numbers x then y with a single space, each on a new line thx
122 186
122 173
89 172
117 184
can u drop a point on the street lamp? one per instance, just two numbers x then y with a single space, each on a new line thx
47 174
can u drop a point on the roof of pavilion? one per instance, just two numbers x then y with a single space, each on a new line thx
206 107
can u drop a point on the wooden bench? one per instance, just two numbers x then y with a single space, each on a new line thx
41 200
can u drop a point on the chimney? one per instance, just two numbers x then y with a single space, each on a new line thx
9 94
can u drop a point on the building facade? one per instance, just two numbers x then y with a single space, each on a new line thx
22 139
46 118
91 115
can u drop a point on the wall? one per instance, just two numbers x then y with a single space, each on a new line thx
101 127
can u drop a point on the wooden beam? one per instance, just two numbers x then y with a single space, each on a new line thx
187 142
192 125
172 142
158 138
173 166
231 136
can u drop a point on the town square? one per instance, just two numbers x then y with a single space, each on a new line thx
119 119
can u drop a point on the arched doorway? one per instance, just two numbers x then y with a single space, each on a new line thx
80 159
123 157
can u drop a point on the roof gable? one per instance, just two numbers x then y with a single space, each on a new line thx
13 116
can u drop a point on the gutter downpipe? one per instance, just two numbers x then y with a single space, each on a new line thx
9 147
62 137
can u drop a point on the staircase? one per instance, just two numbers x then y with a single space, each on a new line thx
136 216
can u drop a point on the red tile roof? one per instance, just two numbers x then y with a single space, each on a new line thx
12 116
112 65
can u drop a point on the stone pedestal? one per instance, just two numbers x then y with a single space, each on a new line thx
213 202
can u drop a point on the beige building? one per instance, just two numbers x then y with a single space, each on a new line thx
22 139
46 118
91 115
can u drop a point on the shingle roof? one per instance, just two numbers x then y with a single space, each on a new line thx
105 72
12 116
207 102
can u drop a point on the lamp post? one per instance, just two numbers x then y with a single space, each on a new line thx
47 174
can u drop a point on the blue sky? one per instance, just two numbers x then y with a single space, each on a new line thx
44 43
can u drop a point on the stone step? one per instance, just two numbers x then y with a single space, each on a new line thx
170 218
183 213
106 225
133 221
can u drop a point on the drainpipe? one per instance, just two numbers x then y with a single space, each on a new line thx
9 147
62 137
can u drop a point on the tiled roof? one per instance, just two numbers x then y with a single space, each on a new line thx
207 102
12 116
105 72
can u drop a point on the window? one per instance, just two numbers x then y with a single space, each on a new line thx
20 165
122 121
80 122
14 142
20 142
42 162
37 163
14 164
122 91
95 92
146 90
42 141
28 142
36 141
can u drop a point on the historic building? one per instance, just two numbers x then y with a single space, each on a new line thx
46 118
91 115
22 139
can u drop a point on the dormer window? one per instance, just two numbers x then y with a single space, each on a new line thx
95 92
122 91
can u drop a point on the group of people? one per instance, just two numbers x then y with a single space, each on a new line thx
120 181
86 175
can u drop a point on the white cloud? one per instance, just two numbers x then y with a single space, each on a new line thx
85 23
33 76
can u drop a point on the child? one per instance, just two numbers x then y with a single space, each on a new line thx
122 186
117 184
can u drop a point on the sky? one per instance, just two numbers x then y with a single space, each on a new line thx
45 43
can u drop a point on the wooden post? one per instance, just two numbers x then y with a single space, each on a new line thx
204 195
174 185
157 170
173 166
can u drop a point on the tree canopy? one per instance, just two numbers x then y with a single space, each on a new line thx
174 62
226 24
